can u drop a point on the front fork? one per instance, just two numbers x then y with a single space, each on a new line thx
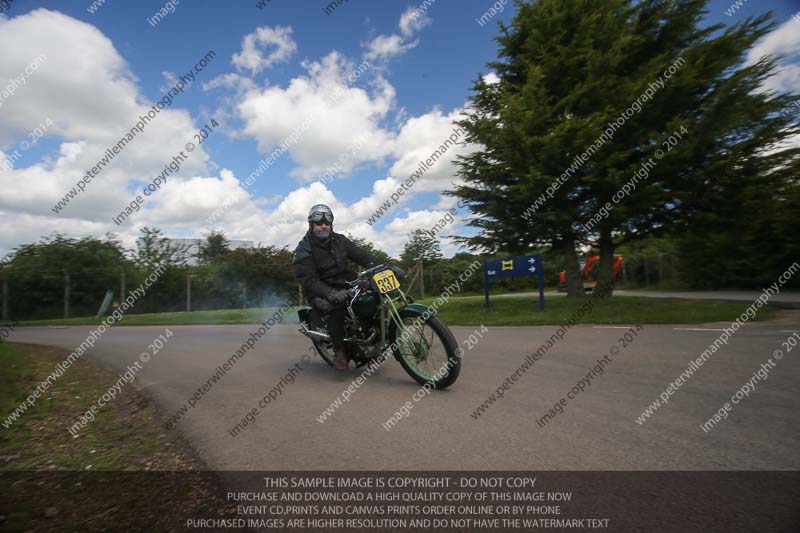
389 311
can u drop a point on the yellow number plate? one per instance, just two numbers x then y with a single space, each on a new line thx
386 281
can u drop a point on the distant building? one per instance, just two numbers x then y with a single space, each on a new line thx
191 248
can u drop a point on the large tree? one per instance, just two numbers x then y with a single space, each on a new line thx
568 70
421 244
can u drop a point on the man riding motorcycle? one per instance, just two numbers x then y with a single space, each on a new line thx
320 265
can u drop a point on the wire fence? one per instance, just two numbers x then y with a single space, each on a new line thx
69 293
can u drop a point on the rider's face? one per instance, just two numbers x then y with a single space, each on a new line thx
322 225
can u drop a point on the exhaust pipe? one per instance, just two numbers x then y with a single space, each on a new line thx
314 335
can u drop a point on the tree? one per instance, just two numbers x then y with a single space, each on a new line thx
533 122
38 274
266 272
550 159
156 253
244 277
214 248
382 256
421 244
732 128
154 250
745 238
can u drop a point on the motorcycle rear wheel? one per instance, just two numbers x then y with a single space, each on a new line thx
325 350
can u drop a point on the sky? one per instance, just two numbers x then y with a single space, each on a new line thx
335 107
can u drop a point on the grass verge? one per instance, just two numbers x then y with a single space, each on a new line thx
524 311
54 481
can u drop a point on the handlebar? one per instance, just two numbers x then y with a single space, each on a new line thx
376 268
364 275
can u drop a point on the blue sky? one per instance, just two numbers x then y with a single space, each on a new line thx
272 65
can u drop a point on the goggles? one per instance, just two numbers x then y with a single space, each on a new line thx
320 217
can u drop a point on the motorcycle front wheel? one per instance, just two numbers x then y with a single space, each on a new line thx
427 350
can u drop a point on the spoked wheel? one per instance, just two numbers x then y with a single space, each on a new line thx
427 351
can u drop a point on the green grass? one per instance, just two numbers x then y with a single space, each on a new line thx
40 460
16 370
524 311
469 311
125 433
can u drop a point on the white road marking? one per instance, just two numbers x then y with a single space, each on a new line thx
614 327
697 329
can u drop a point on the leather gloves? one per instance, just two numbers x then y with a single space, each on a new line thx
339 297
323 305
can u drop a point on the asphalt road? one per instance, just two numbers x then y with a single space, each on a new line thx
786 300
597 431
783 299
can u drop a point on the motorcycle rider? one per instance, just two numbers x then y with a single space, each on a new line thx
320 265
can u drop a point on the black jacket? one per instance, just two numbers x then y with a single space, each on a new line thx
322 267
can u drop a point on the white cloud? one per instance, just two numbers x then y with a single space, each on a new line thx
385 47
342 116
411 21
230 81
783 42
96 102
18 228
446 202
419 138
396 233
491 78
272 113
251 57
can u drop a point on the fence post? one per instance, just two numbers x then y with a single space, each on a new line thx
121 285
5 296
674 272
421 279
66 294
188 290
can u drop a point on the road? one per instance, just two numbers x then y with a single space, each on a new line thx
597 431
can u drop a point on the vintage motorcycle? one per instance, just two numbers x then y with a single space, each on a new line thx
381 317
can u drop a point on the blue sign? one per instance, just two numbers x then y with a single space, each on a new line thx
513 267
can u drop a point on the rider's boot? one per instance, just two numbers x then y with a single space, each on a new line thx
340 360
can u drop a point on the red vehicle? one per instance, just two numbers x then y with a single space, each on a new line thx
589 272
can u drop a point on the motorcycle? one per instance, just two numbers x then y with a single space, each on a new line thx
380 318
